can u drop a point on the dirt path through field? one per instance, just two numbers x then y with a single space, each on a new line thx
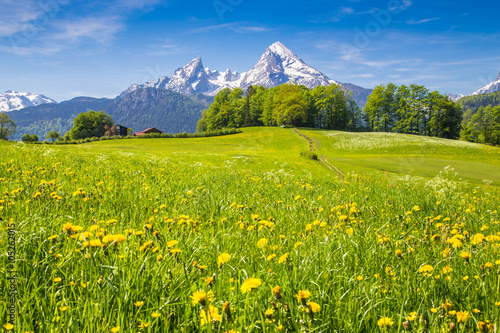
316 146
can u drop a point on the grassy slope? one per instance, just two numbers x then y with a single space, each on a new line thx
262 148
376 153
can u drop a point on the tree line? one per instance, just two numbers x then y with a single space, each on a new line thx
474 102
413 109
482 126
327 107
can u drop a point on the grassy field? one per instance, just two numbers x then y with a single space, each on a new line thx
243 234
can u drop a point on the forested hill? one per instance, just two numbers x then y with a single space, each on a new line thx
163 109
474 102
166 110
43 118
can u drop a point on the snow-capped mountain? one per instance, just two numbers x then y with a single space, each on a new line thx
276 66
454 97
280 65
489 88
13 100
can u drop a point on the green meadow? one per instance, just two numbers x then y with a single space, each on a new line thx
242 233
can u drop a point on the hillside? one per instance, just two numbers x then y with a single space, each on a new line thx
44 118
474 102
166 110
270 148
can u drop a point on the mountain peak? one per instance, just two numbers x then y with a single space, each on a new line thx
280 49
12 100
490 87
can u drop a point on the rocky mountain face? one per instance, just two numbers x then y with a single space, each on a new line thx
13 100
490 87
277 65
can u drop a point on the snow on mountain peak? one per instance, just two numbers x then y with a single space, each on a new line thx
12 100
490 87
277 65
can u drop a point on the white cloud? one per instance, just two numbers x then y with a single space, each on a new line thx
101 30
239 27
423 20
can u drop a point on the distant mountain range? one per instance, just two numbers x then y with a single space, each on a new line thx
13 100
166 110
277 65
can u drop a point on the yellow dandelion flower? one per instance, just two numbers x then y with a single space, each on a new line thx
269 312
202 297
462 316
303 295
115 329
477 239
212 315
426 269
277 292
283 258
385 321
412 316
297 244
359 277
250 284
172 243
262 243
466 255
314 307
57 279
447 269
139 303
143 325
155 315
8 326
223 258
63 308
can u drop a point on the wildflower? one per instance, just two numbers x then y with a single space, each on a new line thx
399 253
297 244
172 243
314 307
57 279
488 265
145 245
303 295
466 255
63 308
277 292
155 315
476 310
139 303
115 329
477 239
447 269
359 277
283 258
416 208
250 284
262 243
223 258
462 316
447 305
143 325
8 326
434 310
412 316
426 269
269 312
209 316
385 321
349 231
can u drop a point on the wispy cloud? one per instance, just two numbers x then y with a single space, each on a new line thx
423 20
335 17
239 27
99 29
405 5
16 16
167 47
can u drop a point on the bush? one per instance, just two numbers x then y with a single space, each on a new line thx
310 154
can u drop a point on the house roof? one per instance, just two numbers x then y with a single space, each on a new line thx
146 131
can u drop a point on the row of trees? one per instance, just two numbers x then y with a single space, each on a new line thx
482 126
327 107
413 110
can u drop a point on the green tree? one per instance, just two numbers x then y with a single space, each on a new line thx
34 138
290 107
53 135
90 124
26 138
7 126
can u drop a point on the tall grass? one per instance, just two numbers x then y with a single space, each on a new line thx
359 246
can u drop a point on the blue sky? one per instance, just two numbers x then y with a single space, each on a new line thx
65 48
